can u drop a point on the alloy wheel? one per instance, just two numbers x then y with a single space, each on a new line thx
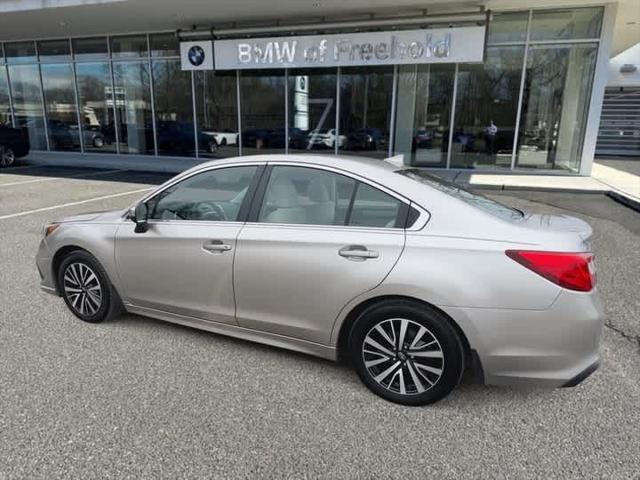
7 157
82 288
403 356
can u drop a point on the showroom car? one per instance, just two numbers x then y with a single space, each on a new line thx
411 280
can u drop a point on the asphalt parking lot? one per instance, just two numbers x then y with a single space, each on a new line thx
139 398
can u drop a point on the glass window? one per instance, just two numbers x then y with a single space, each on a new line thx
306 196
5 105
508 27
312 110
27 103
54 51
566 24
555 105
423 113
479 201
486 109
217 113
129 46
90 48
20 52
133 107
175 133
365 109
60 104
374 208
164 45
96 107
262 106
214 196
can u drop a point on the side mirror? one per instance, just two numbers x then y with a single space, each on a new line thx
140 216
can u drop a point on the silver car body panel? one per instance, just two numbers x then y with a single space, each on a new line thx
285 285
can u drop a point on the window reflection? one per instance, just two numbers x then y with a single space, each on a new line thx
555 105
96 107
312 110
217 113
365 109
90 48
27 103
263 121
129 46
54 51
133 107
174 109
566 24
20 52
486 109
60 105
423 113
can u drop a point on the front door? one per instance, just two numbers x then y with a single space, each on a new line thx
183 263
318 240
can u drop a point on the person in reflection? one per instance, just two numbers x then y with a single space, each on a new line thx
490 137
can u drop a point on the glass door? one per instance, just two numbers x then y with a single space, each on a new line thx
423 114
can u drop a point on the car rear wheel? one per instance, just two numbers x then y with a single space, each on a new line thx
407 353
7 156
86 289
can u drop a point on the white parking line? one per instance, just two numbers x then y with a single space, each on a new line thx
71 204
50 179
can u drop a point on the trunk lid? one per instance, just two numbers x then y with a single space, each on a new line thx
561 230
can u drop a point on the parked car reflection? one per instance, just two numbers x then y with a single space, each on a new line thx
326 139
366 139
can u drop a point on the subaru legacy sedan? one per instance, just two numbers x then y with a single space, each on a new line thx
410 279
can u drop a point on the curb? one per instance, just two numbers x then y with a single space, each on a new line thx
624 200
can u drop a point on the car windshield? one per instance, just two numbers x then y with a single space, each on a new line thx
488 205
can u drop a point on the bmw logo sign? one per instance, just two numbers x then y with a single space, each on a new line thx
196 55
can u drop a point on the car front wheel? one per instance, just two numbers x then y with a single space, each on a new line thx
407 353
86 289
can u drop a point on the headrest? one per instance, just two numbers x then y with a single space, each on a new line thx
318 191
282 194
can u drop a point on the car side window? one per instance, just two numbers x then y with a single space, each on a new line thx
214 195
311 196
306 196
374 208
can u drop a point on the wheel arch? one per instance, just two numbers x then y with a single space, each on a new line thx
350 320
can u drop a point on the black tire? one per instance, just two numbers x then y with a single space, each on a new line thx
447 353
223 142
110 305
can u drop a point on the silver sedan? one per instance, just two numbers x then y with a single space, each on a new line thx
410 279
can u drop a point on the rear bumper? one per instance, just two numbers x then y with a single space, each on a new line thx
554 348
582 376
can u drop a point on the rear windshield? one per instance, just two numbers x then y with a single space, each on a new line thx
488 205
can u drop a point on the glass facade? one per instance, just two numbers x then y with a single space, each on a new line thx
525 107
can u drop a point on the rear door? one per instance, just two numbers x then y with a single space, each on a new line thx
315 240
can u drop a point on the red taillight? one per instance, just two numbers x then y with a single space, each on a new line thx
574 271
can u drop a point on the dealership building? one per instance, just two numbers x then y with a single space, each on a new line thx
504 85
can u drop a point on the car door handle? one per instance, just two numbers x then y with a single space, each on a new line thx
216 246
357 252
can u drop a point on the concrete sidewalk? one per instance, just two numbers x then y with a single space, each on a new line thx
619 178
